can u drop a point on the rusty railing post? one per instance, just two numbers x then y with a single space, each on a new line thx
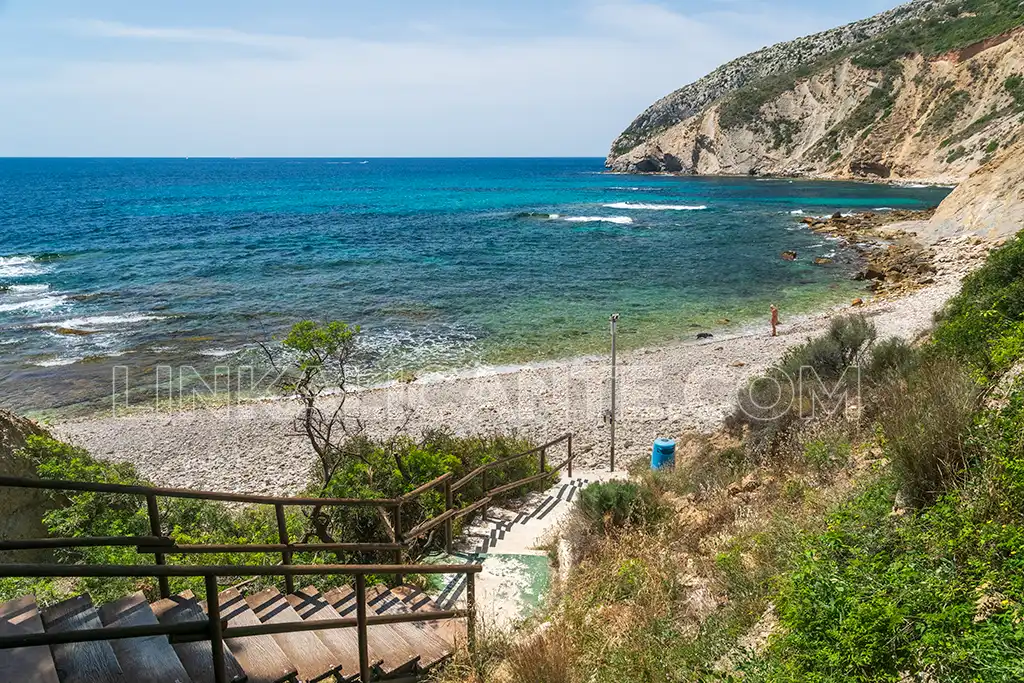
570 455
398 539
154 528
364 655
543 458
449 503
220 674
286 555
471 609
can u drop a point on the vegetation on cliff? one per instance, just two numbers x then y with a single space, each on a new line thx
870 92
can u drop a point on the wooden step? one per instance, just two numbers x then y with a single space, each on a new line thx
196 657
29 664
260 656
420 635
385 643
452 631
310 656
92 662
143 660
310 605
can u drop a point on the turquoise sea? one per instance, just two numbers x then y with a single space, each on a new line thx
444 263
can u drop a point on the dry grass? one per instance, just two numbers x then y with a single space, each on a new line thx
545 658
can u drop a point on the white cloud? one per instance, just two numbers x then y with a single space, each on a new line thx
294 95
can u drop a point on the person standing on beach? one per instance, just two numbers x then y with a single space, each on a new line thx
775 320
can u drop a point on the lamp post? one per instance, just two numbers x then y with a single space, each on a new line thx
611 415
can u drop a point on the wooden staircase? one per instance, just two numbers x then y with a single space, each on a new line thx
396 651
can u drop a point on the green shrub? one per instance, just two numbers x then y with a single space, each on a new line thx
891 358
958 153
991 147
614 504
927 428
393 467
988 308
935 595
802 385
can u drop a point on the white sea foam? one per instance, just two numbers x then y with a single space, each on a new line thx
218 353
655 207
884 208
42 304
796 212
18 266
103 321
620 220
26 289
57 362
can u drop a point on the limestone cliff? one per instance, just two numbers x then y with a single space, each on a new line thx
989 204
874 108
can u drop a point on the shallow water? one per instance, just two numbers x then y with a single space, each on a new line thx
444 263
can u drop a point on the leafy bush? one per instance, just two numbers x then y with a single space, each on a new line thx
891 358
1015 86
614 504
986 313
936 595
393 467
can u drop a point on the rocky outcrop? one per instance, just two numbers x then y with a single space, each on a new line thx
21 510
989 204
783 57
848 103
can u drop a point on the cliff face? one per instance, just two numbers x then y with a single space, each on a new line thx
695 97
989 204
876 109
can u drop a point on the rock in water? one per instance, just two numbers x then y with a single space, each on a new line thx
788 256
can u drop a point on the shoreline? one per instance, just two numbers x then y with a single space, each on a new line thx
667 390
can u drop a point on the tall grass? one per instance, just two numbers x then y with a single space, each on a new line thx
927 425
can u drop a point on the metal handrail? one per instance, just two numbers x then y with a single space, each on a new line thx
164 492
161 545
213 630
503 461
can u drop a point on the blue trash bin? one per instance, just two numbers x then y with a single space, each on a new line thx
663 454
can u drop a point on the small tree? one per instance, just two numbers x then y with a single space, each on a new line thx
322 354
317 360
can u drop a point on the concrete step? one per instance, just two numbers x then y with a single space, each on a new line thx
196 657
29 664
143 660
92 662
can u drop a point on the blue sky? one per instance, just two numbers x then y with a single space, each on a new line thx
368 78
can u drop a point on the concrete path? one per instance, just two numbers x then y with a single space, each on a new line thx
511 543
